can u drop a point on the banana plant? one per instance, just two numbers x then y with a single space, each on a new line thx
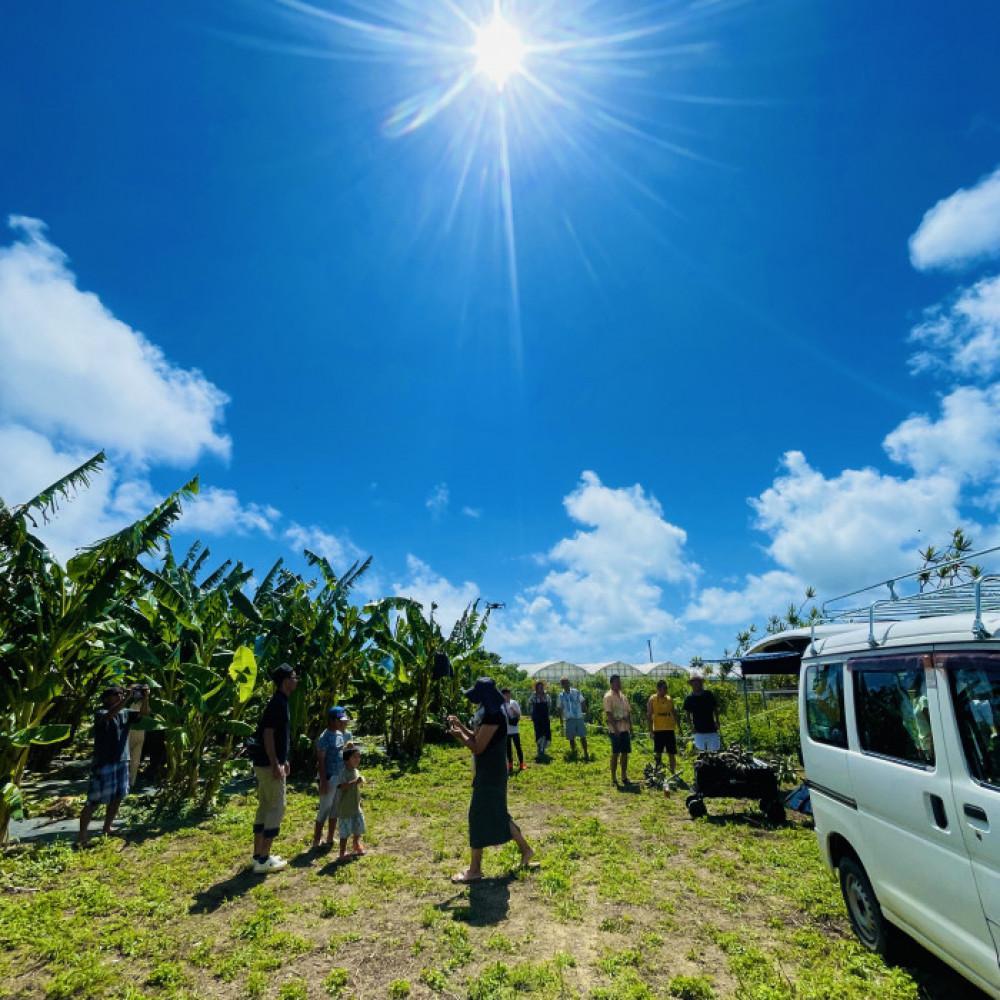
52 618
194 640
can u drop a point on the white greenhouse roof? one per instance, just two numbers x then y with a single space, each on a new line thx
555 669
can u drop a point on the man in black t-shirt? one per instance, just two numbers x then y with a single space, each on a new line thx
109 775
269 753
703 714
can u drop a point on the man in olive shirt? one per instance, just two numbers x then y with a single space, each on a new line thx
618 716
269 753
662 721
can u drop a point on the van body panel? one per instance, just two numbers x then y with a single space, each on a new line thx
977 803
918 863
934 865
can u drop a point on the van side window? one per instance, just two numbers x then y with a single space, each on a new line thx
975 692
825 704
890 697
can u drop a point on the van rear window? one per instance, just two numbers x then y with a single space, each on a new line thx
890 698
975 692
825 704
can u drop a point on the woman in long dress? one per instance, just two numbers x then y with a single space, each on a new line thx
489 822
540 709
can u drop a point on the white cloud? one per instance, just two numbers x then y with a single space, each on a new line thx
427 587
69 367
219 511
839 532
961 228
963 336
604 594
31 463
474 512
114 499
437 502
964 443
761 596
339 551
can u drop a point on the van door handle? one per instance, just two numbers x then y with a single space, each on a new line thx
974 812
937 808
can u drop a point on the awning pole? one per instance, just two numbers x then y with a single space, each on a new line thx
746 705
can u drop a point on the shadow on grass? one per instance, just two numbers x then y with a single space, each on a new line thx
937 979
488 902
209 900
336 864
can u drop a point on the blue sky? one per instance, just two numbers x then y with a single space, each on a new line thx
755 343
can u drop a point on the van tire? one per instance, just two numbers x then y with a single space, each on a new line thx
863 910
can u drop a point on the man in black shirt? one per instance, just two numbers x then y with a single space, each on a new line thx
703 714
109 776
269 753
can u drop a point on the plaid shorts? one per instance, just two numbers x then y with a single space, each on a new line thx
107 782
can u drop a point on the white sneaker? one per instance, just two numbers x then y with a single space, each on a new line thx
272 864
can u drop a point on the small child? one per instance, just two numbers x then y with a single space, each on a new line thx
349 814
330 765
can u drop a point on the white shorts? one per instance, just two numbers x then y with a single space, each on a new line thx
328 804
711 742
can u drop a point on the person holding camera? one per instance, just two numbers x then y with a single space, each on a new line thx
269 751
489 822
109 775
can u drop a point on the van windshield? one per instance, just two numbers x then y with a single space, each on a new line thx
975 692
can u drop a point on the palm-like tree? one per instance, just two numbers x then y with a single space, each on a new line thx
53 618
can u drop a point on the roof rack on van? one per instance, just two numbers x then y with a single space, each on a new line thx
973 597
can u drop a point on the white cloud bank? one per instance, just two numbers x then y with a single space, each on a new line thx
604 592
961 228
74 380
962 337
70 368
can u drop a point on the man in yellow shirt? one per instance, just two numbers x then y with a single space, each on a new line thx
662 720
618 716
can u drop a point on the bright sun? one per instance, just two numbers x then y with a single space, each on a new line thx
499 51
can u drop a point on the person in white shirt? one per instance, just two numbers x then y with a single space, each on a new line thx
512 711
572 707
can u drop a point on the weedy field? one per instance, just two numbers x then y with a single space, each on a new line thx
633 900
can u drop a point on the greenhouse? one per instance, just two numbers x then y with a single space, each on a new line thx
555 670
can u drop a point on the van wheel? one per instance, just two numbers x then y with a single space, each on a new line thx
872 929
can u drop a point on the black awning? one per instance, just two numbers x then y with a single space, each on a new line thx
771 663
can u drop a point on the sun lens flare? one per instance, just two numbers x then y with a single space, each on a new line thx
499 51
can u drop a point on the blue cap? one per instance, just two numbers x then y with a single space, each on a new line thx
337 712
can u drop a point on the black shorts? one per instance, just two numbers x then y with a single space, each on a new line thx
621 742
665 741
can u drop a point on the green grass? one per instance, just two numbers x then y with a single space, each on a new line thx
633 901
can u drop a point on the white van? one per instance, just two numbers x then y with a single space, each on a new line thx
900 729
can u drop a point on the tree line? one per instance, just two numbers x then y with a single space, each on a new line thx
205 637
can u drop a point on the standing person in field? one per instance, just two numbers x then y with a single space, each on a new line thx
109 776
703 714
618 716
512 710
662 719
541 718
269 753
329 765
572 710
489 822
350 818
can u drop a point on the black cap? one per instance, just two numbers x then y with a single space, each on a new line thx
112 691
477 691
282 673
